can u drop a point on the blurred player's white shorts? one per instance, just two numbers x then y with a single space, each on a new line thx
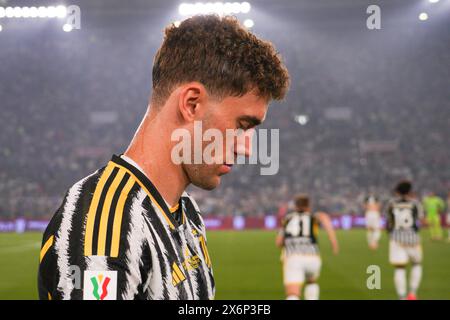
401 255
373 220
298 268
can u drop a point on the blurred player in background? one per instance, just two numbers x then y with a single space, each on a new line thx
300 252
373 220
403 215
433 206
448 216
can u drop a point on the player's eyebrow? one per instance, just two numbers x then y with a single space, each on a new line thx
251 120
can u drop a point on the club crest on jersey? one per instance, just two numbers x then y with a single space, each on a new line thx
100 285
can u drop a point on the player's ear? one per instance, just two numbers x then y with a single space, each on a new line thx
191 100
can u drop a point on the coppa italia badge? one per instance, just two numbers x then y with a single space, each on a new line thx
104 281
100 285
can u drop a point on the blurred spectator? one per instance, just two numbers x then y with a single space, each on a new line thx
376 113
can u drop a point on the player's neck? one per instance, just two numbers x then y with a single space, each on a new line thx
151 150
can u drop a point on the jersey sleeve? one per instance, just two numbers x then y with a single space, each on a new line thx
47 275
126 260
116 261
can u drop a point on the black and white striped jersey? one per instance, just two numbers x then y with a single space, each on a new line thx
403 220
299 230
114 237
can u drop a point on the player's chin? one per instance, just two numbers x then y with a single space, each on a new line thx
212 178
209 183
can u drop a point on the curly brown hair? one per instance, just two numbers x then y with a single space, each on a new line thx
301 201
222 55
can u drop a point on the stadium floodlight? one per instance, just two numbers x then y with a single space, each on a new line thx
208 7
198 8
227 7
235 7
17 12
433 1
67 27
248 23
301 119
51 12
42 12
245 7
220 8
61 11
184 9
25 12
9 12
423 16
33 12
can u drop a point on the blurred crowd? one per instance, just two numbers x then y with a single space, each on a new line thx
375 112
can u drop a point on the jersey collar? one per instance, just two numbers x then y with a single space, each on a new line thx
153 193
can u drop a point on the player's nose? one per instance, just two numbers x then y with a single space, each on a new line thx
244 143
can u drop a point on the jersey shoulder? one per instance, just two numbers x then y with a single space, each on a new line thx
114 203
395 201
288 216
73 205
95 212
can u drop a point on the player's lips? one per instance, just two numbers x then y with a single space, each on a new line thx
225 168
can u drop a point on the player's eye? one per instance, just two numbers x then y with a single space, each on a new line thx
244 125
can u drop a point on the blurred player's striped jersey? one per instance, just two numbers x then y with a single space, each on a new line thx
117 230
402 220
299 230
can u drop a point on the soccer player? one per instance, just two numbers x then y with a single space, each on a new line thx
300 250
433 206
129 230
403 215
373 221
